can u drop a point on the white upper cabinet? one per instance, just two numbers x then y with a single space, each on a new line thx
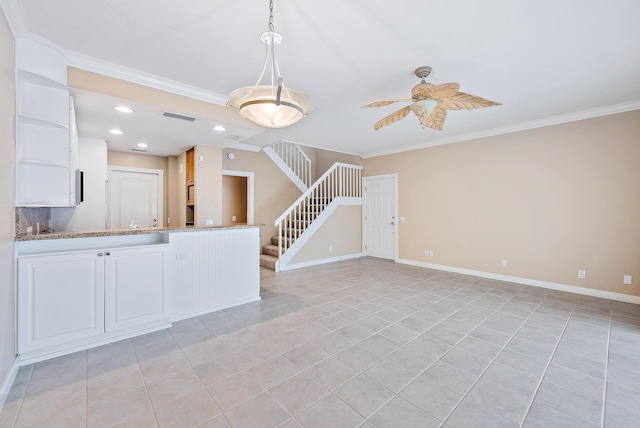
45 127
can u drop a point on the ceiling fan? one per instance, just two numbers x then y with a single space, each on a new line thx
430 102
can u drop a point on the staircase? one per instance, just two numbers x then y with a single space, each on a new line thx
293 161
269 257
341 184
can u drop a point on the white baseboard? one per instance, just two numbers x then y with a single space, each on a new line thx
8 382
84 344
319 262
527 281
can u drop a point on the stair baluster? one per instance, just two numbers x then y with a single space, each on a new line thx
339 185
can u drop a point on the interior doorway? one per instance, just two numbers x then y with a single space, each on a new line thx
380 216
134 197
237 197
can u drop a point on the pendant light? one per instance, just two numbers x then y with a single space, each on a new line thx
270 103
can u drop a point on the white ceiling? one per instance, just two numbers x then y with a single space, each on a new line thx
545 61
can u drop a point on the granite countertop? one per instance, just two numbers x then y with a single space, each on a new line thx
124 232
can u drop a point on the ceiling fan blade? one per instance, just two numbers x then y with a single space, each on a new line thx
393 117
434 120
443 90
462 101
384 103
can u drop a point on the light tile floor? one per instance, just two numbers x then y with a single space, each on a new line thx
359 343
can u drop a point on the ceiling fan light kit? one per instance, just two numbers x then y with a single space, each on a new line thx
430 102
270 104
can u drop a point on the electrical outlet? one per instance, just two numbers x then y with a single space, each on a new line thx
430 253
403 219
330 248
426 253
233 218
208 222
582 274
627 279
504 263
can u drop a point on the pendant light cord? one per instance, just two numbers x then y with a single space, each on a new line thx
271 16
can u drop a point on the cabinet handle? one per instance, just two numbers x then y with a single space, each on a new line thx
100 254
108 253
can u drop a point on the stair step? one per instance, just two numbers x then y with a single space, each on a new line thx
275 241
268 262
299 224
307 216
288 231
320 200
270 250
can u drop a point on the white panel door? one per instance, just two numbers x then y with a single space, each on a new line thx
135 196
60 299
135 287
380 217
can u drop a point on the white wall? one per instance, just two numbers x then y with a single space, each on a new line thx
7 204
90 215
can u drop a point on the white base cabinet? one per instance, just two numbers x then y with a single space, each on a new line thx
135 292
61 299
74 299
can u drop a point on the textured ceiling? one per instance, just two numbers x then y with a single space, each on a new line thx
541 60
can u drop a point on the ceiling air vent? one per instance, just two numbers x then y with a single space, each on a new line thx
233 137
179 116
139 150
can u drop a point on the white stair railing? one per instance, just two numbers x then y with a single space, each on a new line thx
341 182
293 161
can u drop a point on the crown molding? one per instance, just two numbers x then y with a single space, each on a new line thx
16 18
556 120
139 77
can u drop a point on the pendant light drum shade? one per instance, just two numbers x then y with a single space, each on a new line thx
263 105
271 104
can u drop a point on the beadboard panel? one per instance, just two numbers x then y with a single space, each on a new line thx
214 270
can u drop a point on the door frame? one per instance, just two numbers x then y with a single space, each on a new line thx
250 187
365 180
160 189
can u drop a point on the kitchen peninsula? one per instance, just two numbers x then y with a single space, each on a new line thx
85 289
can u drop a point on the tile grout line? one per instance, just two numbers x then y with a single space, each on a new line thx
144 379
468 335
492 361
200 380
366 418
524 418
452 346
15 417
606 368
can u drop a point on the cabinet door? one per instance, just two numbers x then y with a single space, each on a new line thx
60 299
136 292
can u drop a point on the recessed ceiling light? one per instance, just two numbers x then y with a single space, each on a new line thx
219 128
124 109
143 145
116 131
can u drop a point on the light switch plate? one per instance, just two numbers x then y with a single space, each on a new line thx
627 279
582 274
208 222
